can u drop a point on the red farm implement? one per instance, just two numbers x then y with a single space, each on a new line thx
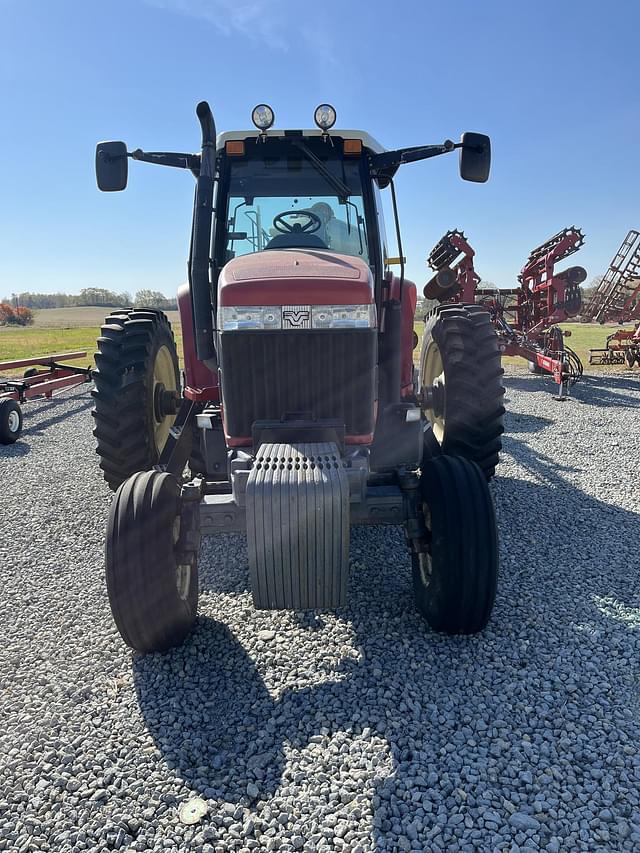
622 346
44 377
617 299
524 317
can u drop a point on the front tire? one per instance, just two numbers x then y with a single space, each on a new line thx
136 372
460 361
152 562
455 578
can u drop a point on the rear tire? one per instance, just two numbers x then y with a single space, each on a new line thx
461 356
10 421
136 353
152 562
455 580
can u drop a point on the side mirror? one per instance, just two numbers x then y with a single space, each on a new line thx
111 166
475 157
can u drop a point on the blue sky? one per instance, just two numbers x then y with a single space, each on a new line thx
553 83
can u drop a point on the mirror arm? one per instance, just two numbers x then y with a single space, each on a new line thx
393 159
166 158
477 148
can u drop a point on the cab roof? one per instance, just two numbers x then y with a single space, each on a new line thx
367 141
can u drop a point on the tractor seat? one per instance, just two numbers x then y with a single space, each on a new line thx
296 241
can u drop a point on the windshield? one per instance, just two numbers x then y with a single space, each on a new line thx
287 202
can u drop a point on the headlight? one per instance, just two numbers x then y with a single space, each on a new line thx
343 316
296 317
250 317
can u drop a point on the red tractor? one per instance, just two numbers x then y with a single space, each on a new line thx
300 412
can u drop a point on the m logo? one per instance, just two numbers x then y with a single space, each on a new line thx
296 316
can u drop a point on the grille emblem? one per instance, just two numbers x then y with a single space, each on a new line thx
296 316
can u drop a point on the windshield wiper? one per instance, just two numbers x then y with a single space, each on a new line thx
341 188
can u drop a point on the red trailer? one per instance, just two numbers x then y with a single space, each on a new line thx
44 377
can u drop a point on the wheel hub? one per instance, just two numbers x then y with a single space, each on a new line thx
165 402
433 398
13 422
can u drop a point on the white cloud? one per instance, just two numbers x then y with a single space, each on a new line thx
259 20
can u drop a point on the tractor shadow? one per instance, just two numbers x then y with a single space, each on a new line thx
424 705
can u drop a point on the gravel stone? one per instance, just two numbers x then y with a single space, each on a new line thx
524 821
358 730
266 635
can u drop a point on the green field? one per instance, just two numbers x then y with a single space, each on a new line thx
59 330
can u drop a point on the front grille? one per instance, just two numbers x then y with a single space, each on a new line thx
325 374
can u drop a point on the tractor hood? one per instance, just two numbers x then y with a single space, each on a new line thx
295 277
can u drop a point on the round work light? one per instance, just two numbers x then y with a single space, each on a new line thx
263 117
325 116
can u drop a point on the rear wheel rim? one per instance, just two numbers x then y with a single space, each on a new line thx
163 374
434 376
13 421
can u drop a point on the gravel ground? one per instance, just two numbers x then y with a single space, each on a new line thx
356 731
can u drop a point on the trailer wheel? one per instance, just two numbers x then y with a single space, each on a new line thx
460 388
534 368
455 580
137 389
30 371
10 421
152 562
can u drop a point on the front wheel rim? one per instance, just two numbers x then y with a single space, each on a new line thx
13 421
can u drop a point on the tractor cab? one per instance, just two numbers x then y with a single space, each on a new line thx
300 412
299 192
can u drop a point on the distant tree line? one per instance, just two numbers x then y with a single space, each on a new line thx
92 296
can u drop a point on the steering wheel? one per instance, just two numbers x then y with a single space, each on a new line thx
313 224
